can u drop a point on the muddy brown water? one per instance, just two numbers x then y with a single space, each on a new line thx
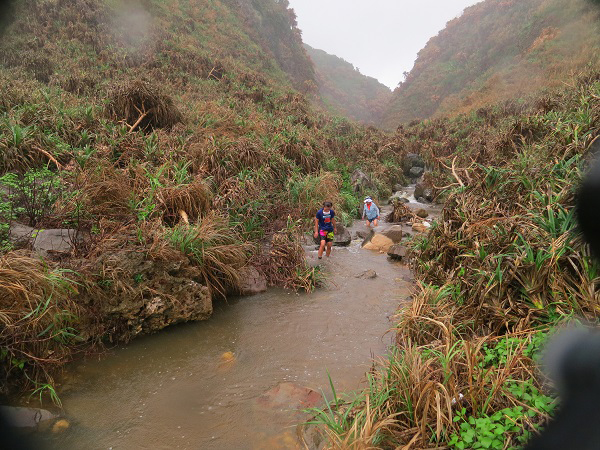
177 389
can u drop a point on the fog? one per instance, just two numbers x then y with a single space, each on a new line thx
380 37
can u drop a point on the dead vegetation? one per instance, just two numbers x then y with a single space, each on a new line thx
142 105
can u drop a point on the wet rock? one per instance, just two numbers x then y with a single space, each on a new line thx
379 242
398 197
342 236
420 227
19 417
422 213
367 275
422 190
60 426
142 295
394 233
397 251
416 172
286 396
411 160
252 281
361 182
365 233
398 187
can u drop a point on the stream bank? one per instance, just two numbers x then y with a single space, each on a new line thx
238 380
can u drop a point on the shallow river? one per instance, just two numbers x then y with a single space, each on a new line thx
175 390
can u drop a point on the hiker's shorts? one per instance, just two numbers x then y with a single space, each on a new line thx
327 236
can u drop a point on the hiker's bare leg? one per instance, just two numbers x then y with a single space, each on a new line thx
368 224
329 244
375 222
321 248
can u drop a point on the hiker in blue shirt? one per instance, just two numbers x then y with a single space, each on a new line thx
324 228
371 212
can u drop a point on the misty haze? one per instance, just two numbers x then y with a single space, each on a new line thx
291 224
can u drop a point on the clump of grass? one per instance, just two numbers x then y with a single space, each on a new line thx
215 248
38 318
142 105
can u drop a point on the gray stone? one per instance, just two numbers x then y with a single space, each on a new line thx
416 172
422 190
411 160
398 187
19 417
252 281
20 235
394 233
342 236
367 275
397 251
55 241
361 181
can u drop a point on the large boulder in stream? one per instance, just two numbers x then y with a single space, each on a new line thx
379 242
397 251
135 294
394 232
342 236
21 417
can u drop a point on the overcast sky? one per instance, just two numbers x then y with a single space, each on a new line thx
380 37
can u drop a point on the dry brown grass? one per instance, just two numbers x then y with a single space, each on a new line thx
140 104
38 318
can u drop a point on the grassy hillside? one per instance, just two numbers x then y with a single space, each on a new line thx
173 139
347 92
497 50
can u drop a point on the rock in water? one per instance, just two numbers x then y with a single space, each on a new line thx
424 191
287 396
367 275
394 233
20 417
342 236
422 213
397 251
379 242
228 357
61 426
252 281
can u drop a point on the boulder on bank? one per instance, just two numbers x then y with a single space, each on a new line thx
394 233
379 242
422 213
416 172
410 161
422 190
138 295
46 243
361 182
397 251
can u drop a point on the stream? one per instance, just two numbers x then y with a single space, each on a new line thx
237 380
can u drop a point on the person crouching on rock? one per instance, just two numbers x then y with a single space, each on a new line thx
371 212
324 226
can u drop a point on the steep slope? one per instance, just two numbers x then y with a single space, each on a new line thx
345 91
497 50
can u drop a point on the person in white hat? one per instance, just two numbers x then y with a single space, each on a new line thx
370 212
